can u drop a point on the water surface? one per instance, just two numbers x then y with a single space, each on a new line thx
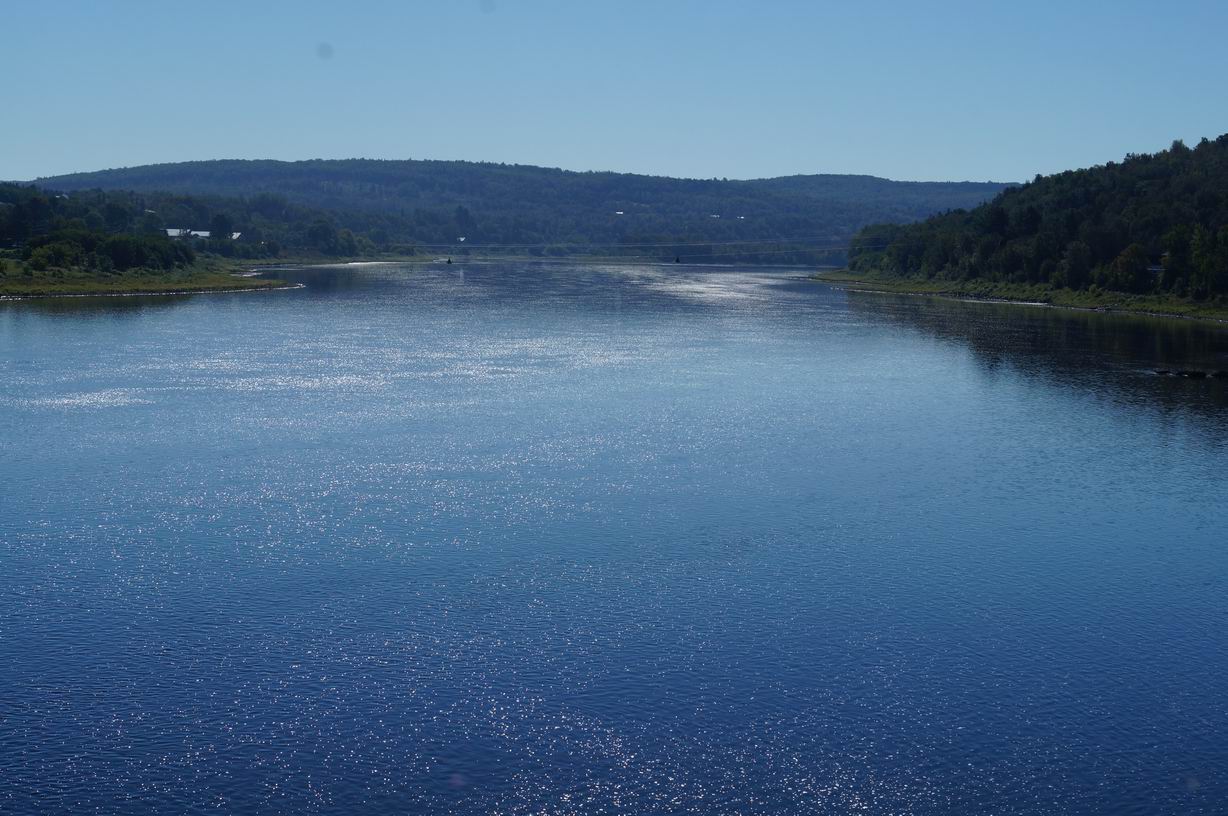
551 539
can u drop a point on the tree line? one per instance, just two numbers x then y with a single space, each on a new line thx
114 231
1153 223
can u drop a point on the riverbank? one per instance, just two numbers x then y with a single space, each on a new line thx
300 261
1098 300
206 275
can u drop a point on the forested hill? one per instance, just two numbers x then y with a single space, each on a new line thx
1150 224
437 201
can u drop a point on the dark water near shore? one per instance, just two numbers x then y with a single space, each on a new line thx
500 539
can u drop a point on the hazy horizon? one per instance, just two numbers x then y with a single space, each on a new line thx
687 90
524 164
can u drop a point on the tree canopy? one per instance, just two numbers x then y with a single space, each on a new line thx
1153 223
119 230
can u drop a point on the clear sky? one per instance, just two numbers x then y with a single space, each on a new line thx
908 90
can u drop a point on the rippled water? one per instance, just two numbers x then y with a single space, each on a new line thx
506 539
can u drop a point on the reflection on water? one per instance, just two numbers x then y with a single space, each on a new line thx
1117 355
81 306
496 538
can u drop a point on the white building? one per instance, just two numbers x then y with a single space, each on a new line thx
191 233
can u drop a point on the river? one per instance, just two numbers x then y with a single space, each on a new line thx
499 538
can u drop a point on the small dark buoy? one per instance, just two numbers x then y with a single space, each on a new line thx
449 261
677 259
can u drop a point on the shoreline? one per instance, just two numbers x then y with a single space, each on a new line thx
490 259
243 272
206 275
871 286
153 293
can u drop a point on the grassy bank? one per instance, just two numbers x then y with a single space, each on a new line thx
1097 299
205 275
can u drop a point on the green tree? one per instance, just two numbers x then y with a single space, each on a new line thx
221 226
1178 259
322 235
1128 271
346 244
1075 268
1202 258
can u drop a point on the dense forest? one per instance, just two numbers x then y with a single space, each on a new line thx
543 211
1153 223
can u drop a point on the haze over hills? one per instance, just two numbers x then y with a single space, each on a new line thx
436 202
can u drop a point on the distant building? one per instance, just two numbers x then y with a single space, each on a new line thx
191 233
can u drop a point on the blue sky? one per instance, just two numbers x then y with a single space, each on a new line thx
976 90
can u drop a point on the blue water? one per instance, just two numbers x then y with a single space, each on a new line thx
494 539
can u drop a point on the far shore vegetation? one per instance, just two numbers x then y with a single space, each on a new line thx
111 243
351 207
1148 234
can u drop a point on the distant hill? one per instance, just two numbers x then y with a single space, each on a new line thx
557 211
1151 224
905 197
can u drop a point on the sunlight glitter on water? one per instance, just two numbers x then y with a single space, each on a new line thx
617 540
